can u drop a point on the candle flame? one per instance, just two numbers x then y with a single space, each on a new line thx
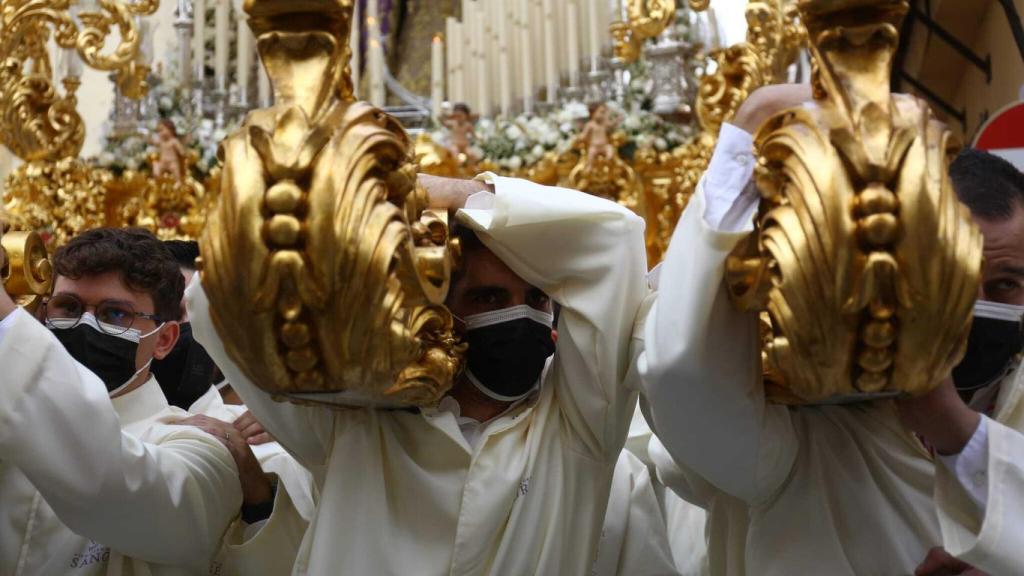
437 39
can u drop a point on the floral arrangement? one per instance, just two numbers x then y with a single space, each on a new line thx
133 151
520 142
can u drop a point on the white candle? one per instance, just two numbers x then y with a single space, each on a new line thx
483 92
469 75
436 76
263 87
550 56
220 54
504 62
376 57
573 41
199 38
355 64
244 58
449 57
457 63
595 37
715 40
527 58
144 27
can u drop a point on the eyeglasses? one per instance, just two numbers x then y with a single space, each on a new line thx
64 311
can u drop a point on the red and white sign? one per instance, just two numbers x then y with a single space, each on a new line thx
1003 134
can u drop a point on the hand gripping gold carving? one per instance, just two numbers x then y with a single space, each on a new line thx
326 279
865 261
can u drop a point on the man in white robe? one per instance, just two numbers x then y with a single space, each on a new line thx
838 490
979 488
480 485
95 477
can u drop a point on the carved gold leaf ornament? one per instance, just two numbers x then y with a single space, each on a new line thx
646 19
862 257
326 278
25 269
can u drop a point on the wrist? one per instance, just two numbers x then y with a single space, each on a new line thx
951 435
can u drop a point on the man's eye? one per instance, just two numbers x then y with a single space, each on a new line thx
488 298
114 315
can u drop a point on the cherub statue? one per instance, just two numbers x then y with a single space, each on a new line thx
462 134
171 153
597 133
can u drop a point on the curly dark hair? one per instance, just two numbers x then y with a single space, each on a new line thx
185 252
144 263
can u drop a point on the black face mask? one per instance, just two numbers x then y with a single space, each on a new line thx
508 350
186 373
995 341
111 358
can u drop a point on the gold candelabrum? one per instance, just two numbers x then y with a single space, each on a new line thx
862 258
325 274
646 19
53 189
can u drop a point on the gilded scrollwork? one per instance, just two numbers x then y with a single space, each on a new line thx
344 274
862 257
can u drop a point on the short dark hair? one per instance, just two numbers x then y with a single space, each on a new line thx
462 107
185 252
988 185
142 260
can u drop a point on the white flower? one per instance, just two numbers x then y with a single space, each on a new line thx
132 163
660 143
515 163
632 122
476 151
513 132
166 103
219 135
106 159
537 151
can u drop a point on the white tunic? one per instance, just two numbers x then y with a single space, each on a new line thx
96 486
814 490
402 492
634 541
992 541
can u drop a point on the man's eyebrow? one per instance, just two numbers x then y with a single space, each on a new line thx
1011 269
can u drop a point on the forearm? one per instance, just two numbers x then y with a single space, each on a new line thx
59 428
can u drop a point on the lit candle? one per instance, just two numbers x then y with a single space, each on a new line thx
220 46
573 41
527 58
449 57
550 56
469 75
436 76
595 37
355 64
199 38
244 58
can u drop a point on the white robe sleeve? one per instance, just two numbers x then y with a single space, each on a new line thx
991 542
165 504
305 431
701 365
587 254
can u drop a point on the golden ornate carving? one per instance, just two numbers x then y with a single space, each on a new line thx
866 263
325 276
774 37
57 198
647 19
35 122
609 178
25 269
